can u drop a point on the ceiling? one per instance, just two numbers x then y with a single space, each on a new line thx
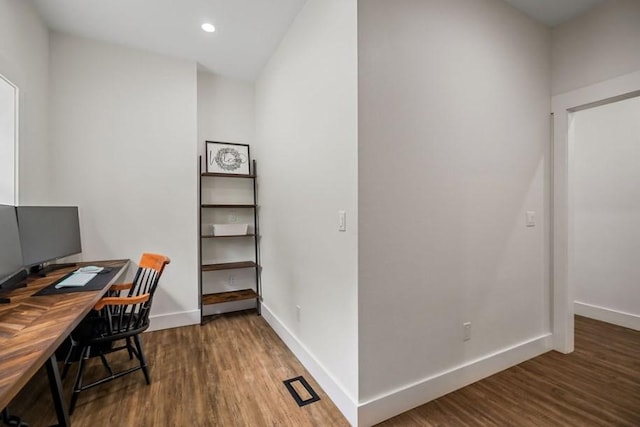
247 31
553 12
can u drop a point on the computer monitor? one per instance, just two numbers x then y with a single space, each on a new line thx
48 233
12 271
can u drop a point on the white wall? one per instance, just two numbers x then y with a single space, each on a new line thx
606 211
225 110
24 60
123 145
306 146
599 45
453 150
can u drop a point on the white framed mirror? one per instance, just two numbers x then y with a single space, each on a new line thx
8 142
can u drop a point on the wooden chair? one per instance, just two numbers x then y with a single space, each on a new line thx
115 318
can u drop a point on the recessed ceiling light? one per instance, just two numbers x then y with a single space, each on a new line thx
208 28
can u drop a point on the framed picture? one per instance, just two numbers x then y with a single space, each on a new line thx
227 157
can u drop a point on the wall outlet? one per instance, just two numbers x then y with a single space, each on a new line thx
531 219
298 309
232 280
233 217
466 334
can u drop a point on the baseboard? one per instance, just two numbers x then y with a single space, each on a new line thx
174 320
339 397
620 318
384 407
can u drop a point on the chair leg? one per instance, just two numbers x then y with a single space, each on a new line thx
77 388
65 370
106 365
143 360
67 361
130 348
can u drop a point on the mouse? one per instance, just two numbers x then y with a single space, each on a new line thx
90 269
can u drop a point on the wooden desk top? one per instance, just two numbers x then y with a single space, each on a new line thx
31 329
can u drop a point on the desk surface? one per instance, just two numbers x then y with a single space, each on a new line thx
32 328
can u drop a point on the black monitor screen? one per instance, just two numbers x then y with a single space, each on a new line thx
10 255
48 233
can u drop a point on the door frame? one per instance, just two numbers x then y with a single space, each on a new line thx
564 106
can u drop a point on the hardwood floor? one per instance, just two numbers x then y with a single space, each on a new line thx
230 372
596 385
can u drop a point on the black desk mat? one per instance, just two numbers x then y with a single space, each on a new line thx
101 280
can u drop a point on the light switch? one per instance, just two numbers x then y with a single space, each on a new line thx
342 221
531 219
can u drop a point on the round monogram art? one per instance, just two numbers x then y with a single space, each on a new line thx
229 159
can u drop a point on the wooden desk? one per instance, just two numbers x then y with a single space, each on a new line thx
32 328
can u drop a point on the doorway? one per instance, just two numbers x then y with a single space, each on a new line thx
8 141
565 108
606 196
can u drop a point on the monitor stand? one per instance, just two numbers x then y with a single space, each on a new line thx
13 282
43 271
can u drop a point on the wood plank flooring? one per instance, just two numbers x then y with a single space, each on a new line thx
596 385
230 372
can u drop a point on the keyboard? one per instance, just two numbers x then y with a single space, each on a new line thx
76 280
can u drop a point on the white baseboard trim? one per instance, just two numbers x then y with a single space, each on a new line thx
620 318
340 398
174 320
384 407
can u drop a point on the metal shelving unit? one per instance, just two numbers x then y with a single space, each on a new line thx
207 299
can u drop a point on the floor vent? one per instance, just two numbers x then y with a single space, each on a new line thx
301 391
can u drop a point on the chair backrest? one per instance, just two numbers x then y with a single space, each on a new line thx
149 271
126 318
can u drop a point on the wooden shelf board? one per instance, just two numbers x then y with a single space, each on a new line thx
229 266
220 297
226 237
228 206
228 175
